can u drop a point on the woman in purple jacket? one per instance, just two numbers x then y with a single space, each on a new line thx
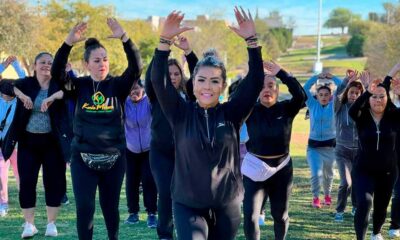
137 134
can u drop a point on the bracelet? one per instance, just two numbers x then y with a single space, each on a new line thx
123 35
251 37
165 41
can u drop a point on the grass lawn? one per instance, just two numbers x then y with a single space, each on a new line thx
305 222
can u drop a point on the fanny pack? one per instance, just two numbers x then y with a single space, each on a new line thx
100 161
257 170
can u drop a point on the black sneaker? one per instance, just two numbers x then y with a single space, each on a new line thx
151 221
64 200
132 218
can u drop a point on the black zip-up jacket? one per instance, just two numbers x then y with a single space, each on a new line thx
98 123
161 132
270 128
207 166
57 112
377 142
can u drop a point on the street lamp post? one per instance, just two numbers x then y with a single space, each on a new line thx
318 64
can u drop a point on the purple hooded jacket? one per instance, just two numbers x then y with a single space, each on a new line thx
137 124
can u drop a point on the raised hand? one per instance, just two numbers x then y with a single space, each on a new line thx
183 44
365 78
76 34
373 85
272 68
396 86
352 76
246 27
9 60
116 28
172 26
394 70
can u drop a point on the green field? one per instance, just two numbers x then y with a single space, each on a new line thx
305 223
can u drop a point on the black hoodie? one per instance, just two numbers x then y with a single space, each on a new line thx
207 166
377 142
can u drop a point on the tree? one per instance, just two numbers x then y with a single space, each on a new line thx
355 45
340 18
17 26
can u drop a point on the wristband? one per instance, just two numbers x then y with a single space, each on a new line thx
165 41
123 35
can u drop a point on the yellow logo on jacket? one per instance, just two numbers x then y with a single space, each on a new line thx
101 104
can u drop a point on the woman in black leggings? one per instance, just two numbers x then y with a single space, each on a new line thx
162 152
269 127
375 167
98 146
41 128
206 186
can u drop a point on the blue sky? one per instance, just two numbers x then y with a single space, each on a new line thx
304 12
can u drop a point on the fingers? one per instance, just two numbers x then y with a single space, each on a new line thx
244 14
235 29
184 29
28 103
238 15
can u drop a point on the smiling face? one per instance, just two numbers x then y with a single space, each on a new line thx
323 96
136 93
378 100
208 86
42 65
269 94
97 64
175 75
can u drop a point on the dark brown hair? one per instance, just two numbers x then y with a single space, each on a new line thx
343 97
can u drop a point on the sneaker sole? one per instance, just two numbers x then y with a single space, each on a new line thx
30 236
131 223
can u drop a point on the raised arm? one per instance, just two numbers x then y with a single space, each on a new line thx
18 69
148 85
192 60
60 61
307 88
244 98
135 67
299 96
171 103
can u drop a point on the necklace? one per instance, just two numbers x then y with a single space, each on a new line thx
96 89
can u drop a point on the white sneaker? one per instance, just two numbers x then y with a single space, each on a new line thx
29 230
393 233
51 230
376 237
3 212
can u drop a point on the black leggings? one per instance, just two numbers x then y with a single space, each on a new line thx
395 213
35 150
138 170
162 167
210 223
372 190
278 189
85 182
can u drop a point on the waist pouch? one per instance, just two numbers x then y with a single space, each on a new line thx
100 161
257 170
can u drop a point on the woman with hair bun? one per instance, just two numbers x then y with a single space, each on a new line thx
98 146
206 187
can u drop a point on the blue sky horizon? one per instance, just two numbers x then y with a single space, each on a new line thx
304 12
